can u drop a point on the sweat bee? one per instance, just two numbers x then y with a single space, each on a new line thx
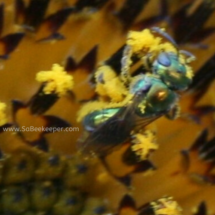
148 96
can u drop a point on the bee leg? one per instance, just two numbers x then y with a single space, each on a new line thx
109 85
143 144
125 65
147 61
174 113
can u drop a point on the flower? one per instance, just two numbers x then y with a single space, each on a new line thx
80 37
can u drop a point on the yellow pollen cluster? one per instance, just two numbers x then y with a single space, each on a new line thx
109 85
142 41
166 206
145 42
143 144
142 106
3 119
189 73
56 81
189 70
182 59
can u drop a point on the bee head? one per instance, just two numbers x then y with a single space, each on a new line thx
172 72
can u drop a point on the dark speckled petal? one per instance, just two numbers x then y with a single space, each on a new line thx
81 4
127 202
10 42
1 17
70 65
184 25
130 10
56 20
17 105
200 140
202 209
3 127
19 11
202 151
202 79
88 62
55 122
41 144
41 102
35 12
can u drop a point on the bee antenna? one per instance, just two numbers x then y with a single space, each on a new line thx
165 35
190 56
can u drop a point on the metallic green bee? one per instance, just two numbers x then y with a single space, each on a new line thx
153 95
111 127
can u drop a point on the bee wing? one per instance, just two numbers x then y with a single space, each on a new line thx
141 122
109 134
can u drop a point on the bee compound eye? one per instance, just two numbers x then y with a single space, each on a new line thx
164 59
